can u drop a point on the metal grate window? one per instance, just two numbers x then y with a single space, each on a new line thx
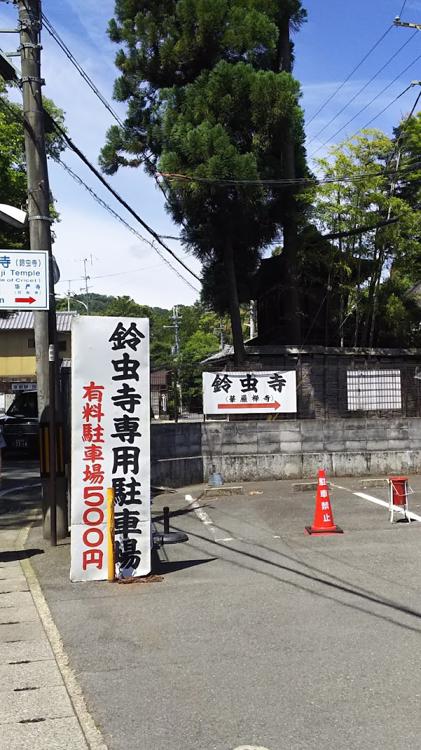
374 389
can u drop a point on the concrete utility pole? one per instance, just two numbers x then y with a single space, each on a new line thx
178 405
45 328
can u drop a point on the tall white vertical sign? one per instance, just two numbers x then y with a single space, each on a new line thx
110 445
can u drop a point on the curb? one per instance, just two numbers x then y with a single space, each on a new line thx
92 734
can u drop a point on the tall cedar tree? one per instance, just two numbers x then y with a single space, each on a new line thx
210 95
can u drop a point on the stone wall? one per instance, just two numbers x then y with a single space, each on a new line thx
185 453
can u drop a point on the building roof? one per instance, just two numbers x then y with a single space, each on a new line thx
23 320
159 377
254 351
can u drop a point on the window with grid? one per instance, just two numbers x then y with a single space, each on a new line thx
374 389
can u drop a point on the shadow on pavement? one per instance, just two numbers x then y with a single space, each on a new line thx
163 566
306 579
21 554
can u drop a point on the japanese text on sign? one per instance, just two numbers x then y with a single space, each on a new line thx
110 421
249 392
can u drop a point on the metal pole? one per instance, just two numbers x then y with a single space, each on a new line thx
39 216
52 446
111 533
166 512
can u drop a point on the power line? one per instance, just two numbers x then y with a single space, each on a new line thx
301 181
385 88
109 275
382 112
119 218
68 140
380 70
354 70
54 34
82 72
116 195
402 9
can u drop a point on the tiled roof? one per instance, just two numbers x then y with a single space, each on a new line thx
23 320
159 377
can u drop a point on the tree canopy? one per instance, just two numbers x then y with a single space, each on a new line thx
13 184
367 275
210 96
201 333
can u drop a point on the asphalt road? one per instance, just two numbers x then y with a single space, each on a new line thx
258 635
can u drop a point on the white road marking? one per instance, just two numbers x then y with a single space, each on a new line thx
201 514
204 517
377 501
250 747
225 539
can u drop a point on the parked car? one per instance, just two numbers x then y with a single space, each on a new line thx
20 427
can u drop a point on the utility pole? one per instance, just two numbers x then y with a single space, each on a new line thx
221 331
86 278
253 316
178 405
45 329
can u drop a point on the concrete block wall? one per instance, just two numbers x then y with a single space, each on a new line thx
257 450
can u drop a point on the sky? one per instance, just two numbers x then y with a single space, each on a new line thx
336 37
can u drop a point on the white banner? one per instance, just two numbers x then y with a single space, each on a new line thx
272 392
110 445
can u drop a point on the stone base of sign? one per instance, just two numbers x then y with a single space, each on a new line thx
304 486
225 490
368 482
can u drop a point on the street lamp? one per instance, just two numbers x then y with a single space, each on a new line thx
13 216
69 297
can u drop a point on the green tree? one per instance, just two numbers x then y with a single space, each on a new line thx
13 185
210 95
368 273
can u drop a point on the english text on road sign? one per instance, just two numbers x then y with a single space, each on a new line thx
257 392
24 280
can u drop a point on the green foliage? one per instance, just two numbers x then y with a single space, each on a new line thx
370 273
206 98
13 187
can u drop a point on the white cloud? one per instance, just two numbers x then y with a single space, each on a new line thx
116 263
85 227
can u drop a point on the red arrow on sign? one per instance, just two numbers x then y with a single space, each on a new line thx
274 405
29 300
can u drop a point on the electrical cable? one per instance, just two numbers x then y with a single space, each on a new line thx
382 112
301 181
402 9
385 88
116 195
354 70
119 218
363 88
109 275
68 140
54 34
63 46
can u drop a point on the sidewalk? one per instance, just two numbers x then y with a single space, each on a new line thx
40 703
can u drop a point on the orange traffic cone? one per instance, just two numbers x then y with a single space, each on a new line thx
323 517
